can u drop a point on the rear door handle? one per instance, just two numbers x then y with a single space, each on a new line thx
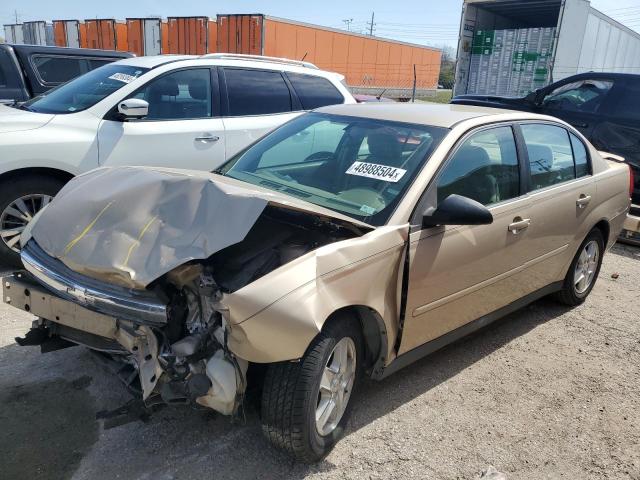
583 201
207 138
581 125
519 224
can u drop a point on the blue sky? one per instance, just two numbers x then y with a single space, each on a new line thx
430 22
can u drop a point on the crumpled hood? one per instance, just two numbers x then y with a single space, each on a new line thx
15 120
131 225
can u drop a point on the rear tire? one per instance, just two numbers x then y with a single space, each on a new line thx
574 290
294 393
11 190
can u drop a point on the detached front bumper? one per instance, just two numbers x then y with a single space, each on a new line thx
631 228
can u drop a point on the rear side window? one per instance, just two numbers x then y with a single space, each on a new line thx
484 168
314 92
256 92
550 155
53 69
579 156
628 106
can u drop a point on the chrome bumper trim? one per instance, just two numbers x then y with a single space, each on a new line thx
109 300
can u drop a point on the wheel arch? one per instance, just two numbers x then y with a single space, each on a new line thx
605 229
374 334
61 175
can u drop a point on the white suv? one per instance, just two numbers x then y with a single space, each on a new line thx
175 111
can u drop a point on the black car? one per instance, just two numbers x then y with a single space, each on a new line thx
29 70
605 107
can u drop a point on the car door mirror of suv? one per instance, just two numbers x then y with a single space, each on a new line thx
457 210
133 108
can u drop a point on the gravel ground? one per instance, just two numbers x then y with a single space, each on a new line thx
547 392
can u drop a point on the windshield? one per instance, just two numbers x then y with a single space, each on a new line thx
357 166
86 90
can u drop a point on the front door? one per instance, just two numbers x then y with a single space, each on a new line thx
183 128
460 273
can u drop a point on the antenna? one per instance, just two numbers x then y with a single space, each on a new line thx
348 23
304 56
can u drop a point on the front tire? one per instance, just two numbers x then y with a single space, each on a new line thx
306 404
20 199
584 270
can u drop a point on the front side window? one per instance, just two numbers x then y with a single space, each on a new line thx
581 96
484 168
55 69
181 95
550 155
314 92
85 91
320 158
256 92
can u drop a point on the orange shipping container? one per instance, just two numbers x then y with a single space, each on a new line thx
188 35
101 34
369 63
144 36
66 33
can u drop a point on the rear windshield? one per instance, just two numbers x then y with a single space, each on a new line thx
85 91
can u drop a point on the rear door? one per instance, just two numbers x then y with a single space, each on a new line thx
562 193
460 273
11 87
579 102
183 128
256 102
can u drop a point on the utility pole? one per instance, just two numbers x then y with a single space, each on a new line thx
371 24
15 12
348 22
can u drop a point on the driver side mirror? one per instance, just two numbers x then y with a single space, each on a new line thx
133 108
457 210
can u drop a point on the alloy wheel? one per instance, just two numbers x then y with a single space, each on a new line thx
16 216
586 267
336 384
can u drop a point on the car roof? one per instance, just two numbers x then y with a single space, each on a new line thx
234 60
90 52
434 114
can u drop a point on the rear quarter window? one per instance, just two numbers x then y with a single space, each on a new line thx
314 92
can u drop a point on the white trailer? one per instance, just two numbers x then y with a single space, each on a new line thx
583 39
37 33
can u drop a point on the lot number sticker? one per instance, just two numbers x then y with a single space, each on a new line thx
379 172
122 77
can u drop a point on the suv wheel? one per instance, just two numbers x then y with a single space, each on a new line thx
306 404
20 200
583 271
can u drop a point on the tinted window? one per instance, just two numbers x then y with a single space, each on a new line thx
484 168
314 92
579 156
629 103
179 95
3 78
315 157
580 96
94 63
86 90
550 155
56 69
256 92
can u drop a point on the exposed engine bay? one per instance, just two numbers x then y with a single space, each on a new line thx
186 359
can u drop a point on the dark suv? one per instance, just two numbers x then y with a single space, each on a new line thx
27 71
605 107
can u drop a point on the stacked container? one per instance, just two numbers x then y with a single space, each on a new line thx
144 36
188 35
37 33
66 33
13 33
105 34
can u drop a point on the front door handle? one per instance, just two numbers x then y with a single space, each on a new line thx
581 125
519 224
583 201
207 138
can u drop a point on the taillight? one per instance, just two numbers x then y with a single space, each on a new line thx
631 181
